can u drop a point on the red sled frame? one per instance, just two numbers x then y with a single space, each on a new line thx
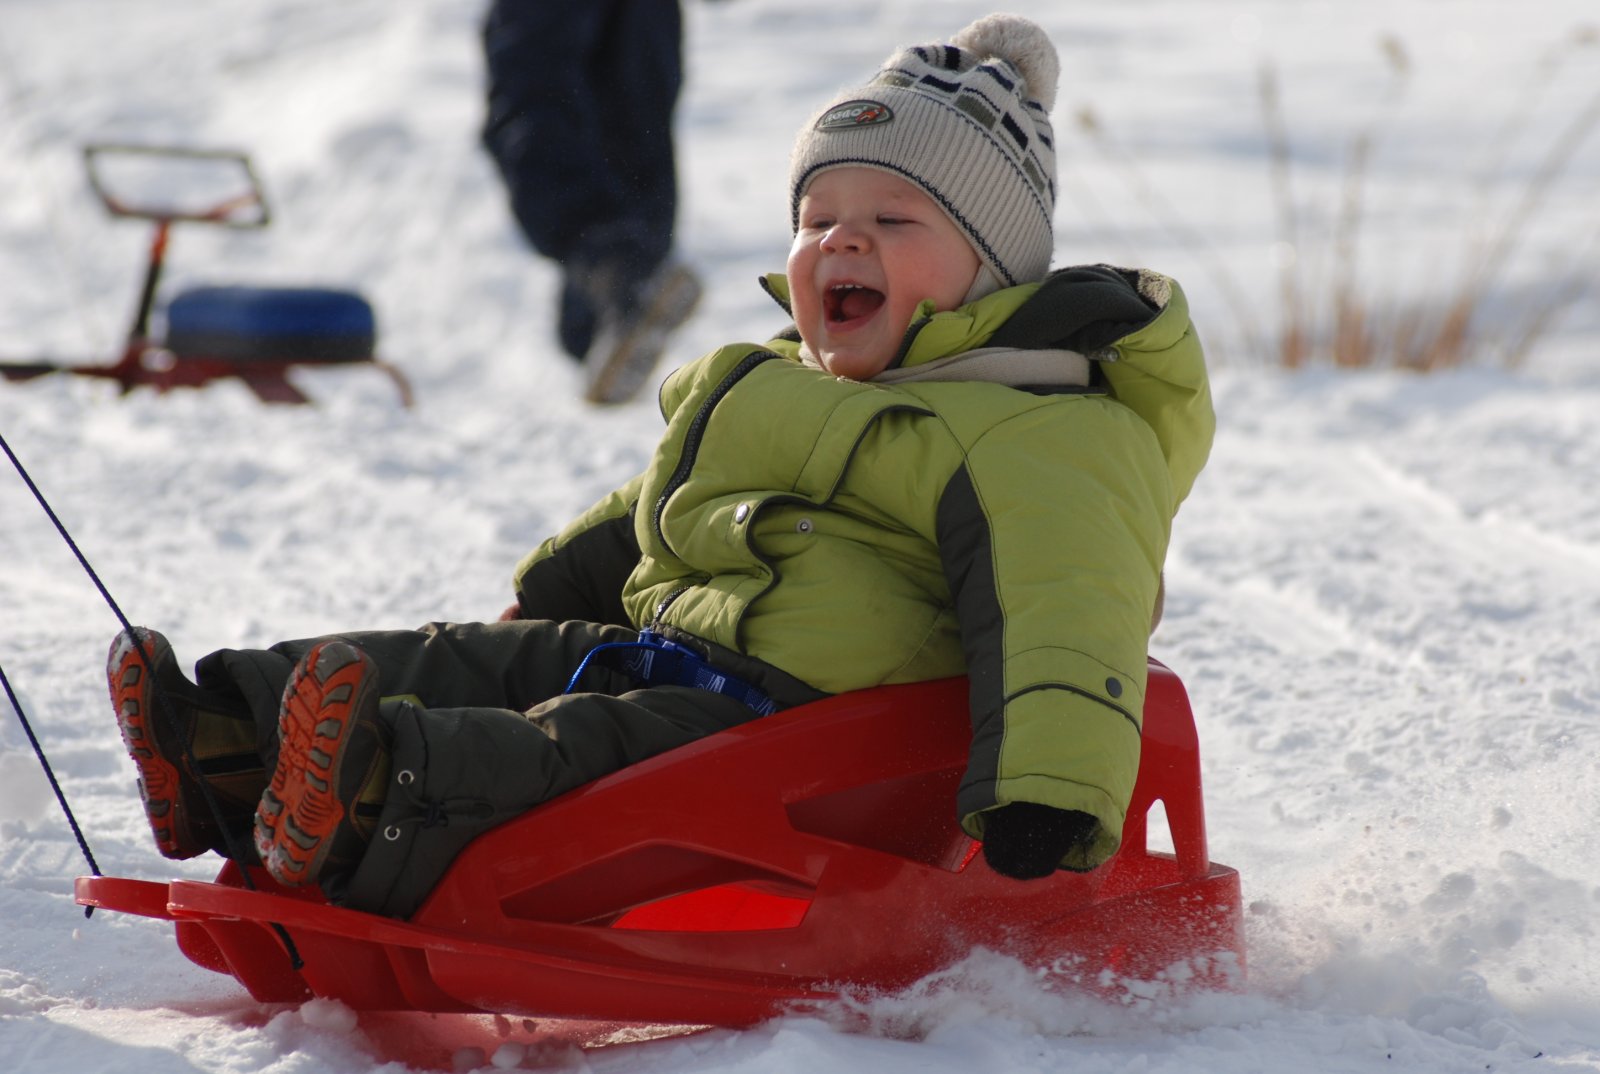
145 361
764 870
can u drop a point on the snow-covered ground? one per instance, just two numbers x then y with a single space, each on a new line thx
1382 596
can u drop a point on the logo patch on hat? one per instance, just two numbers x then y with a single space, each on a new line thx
854 114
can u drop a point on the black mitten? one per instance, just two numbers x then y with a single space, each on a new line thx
1026 841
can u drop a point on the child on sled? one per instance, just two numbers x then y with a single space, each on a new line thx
958 462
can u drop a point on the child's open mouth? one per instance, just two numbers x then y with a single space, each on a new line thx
847 302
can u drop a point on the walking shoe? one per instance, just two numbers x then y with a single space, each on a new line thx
635 325
223 746
576 317
320 808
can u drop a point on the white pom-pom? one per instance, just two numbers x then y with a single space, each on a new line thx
1024 43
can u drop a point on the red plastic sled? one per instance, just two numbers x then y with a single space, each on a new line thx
761 870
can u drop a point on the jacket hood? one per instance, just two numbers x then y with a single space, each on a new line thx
930 335
1137 333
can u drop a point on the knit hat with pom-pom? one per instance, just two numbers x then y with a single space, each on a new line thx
969 123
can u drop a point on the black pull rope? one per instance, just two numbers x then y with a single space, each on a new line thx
164 703
55 785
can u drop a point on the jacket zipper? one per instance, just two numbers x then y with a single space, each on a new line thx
666 602
906 341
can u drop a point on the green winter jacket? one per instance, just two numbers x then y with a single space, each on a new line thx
915 527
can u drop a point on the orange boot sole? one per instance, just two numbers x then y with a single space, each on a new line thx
170 798
300 815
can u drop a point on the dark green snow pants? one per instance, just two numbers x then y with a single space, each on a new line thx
478 716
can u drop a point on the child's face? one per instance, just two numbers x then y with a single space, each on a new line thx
870 247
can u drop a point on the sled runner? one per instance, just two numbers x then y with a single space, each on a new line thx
256 334
764 869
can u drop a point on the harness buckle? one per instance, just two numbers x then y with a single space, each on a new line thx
654 660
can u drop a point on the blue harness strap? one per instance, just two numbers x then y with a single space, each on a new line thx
657 661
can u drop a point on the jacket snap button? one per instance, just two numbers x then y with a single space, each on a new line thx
392 833
1114 687
406 777
803 526
741 512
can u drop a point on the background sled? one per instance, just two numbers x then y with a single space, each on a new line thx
256 334
765 869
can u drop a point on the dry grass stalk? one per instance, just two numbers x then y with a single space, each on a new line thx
1293 340
1455 336
1356 328
1412 337
1162 211
1353 340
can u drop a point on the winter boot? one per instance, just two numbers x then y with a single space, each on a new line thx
577 318
160 712
319 811
637 318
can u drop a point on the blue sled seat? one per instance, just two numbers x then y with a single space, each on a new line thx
271 324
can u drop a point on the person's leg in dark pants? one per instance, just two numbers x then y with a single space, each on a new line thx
580 125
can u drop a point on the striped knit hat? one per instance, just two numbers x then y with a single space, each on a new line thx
968 123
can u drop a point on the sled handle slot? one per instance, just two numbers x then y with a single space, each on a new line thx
1169 772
